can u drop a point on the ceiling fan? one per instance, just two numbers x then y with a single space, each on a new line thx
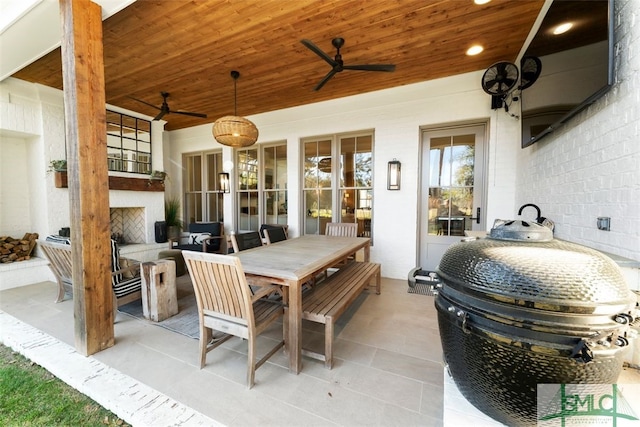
164 108
337 65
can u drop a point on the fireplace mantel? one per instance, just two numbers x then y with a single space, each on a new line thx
118 183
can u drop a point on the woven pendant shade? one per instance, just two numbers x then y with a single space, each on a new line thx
235 131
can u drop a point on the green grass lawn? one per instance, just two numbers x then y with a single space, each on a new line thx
31 396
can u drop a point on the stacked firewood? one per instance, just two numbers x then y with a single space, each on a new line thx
12 250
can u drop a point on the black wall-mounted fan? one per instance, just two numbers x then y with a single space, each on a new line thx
164 108
498 80
337 65
530 68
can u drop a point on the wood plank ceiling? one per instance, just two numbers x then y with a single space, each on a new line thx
188 48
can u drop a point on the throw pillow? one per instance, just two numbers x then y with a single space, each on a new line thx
196 238
126 263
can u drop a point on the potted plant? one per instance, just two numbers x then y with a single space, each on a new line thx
58 165
172 218
158 176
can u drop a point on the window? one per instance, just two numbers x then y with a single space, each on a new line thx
275 184
318 183
356 175
451 184
247 194
261 194
203 195
348 174
128 143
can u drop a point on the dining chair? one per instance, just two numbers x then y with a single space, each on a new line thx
226 304
244 241
274 235
270 226
341 229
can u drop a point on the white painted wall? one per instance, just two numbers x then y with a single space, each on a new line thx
31 135
591 167
397 116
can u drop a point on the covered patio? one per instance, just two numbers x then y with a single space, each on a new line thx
388 367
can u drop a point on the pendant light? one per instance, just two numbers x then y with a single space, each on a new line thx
235 131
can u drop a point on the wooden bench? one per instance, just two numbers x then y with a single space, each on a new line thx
125 289
326 302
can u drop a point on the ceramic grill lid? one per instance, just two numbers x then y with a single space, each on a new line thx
521 264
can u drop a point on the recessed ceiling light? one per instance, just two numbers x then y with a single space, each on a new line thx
481 1
562 28
474 50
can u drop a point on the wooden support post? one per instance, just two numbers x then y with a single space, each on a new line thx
85 125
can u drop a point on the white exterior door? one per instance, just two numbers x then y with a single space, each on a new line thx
452 194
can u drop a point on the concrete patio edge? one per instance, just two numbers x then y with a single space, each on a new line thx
129 399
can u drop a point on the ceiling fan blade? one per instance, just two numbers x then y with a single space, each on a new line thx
145 102
371 67
186 113
160 115
309 44
326 79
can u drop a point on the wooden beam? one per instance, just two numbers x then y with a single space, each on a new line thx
117 183
85 122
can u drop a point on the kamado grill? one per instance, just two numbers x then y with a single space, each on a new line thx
520 308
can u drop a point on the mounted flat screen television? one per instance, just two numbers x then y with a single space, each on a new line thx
576 67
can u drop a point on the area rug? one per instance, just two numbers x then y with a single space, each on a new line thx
185 322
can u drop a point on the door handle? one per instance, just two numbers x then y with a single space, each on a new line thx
477 218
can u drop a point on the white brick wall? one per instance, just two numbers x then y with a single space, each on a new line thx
591 166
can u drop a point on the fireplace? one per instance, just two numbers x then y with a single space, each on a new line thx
128 224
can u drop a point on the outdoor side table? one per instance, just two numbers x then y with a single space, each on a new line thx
159 295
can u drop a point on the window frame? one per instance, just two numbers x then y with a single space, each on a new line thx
133 159
260 192
336 187
196 205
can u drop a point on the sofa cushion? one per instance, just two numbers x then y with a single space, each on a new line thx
127 286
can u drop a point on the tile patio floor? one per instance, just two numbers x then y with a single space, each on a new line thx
388 369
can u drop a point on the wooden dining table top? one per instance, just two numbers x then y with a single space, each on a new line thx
299 258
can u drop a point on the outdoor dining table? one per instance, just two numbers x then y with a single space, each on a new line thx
292 263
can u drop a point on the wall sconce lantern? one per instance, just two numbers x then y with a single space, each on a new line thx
224 182
393 175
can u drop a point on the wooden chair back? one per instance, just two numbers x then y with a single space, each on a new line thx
341 229
221 289
226 304
244 241
274 235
